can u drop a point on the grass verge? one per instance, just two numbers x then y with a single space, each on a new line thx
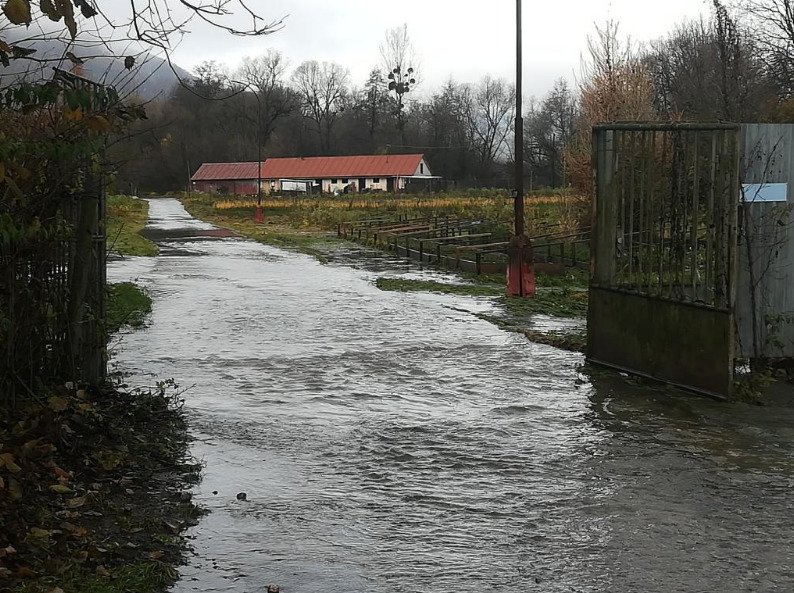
127 304
126 217
554 302
92 491
278 231
409 285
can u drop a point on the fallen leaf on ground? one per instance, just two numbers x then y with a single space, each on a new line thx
57 404
39 533
7 460
75 503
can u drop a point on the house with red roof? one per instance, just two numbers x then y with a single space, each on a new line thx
366 173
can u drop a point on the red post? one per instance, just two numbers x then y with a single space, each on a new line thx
259 214
520 269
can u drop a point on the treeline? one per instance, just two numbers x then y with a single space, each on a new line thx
733 65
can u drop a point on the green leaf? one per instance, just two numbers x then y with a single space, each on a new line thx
48 8
18 11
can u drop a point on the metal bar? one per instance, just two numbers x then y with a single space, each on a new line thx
632 177
662 213
645 171
621 145
665 127
695 218
709 280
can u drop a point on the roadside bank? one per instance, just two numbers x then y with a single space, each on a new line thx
93 491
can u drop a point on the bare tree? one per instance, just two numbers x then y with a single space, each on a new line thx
323 91
211 79
550 127
615 85
775 34
399 61
490 114
265 76
373 102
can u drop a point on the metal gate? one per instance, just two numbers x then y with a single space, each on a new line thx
663 250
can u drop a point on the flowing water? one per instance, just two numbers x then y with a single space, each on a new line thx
394 442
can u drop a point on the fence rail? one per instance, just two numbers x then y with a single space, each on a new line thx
463 244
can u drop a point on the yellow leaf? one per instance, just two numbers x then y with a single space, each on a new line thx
57 404
61 489
73 114
97 123
18 11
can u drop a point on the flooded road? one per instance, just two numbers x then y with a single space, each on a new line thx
394 442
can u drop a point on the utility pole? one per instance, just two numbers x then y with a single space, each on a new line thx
259 215
519 128
520 267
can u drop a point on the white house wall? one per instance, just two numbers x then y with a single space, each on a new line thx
422 170
382 184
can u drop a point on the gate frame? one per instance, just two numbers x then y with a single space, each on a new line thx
649 335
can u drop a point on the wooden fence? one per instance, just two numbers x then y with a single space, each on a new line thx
462 244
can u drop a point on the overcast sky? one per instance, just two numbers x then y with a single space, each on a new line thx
465 39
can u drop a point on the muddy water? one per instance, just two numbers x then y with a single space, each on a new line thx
395 442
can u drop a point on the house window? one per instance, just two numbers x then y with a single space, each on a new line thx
422 168
334 180
318 181
376 180
344 181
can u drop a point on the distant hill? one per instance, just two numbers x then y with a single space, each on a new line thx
151 77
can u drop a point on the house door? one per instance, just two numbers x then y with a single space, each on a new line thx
362 184
390 185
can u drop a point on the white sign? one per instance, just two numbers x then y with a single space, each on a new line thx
764 192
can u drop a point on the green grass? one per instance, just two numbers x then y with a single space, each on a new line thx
557 303
554 302
147 577
127 304
126 217
407 285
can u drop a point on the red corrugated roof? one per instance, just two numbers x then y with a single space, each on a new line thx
227 172
323 167
316 167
